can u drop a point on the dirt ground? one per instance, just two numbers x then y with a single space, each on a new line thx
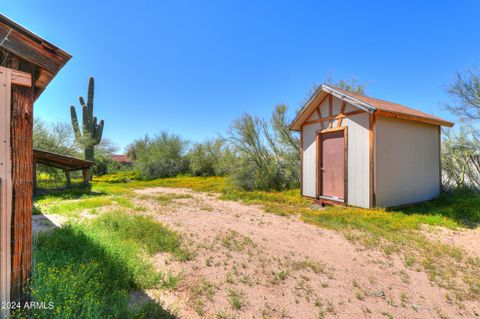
251 264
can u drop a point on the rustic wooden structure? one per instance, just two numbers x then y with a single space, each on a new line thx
366 152
66 163
28 64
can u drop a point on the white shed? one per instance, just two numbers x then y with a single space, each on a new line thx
366 152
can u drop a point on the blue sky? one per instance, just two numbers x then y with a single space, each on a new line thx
192 67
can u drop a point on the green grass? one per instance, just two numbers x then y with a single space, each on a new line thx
461 206
70 208
89 269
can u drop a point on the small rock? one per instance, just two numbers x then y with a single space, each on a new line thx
416 307
379 293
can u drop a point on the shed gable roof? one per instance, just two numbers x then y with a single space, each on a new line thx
366 103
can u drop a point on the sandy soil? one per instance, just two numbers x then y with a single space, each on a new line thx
42 223
251 264
468 240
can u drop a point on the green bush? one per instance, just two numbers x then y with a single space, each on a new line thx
105 165
161 156
211 158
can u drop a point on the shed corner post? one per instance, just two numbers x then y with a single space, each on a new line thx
372 123
68 179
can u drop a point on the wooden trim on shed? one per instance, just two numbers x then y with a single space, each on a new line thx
328 118
412 118
372 123
315 109
319 185
330 109
301 162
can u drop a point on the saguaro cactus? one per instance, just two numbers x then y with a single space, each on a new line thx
91 133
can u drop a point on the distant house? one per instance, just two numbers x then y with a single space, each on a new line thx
122 159
366 152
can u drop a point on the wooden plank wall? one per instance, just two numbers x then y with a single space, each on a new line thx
22 177
5 188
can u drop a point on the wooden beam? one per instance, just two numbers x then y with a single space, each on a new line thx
413 118
333 117
333 129
21 78
330 107
318 106
342 112
46 57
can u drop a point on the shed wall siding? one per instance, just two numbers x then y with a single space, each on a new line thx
407 162
358 154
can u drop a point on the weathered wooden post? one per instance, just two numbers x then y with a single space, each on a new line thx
29 63
86 177
68 178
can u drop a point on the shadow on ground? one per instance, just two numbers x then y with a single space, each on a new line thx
66 193
462 206
84 280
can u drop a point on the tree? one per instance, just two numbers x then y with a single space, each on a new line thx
465 91
268 152
160 156
91 133
350 85
211 158
56 138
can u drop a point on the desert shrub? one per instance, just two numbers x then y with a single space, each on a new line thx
55 138
269 154
105 165
461 158
211 158
160 156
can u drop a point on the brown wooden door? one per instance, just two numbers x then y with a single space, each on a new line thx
332 165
